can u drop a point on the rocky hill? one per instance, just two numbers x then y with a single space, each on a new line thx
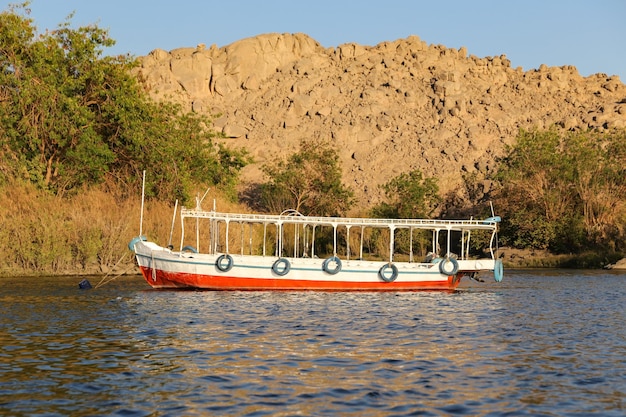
388 108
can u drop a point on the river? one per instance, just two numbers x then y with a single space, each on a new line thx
541 343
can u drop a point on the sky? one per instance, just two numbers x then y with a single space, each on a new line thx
591 35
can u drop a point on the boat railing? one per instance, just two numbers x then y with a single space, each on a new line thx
436 226
467 224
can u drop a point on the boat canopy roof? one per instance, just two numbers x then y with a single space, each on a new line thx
293 217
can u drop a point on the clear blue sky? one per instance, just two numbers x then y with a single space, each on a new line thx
590 35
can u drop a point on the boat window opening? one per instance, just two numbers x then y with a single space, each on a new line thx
491 242
250 238
442 244
264 237
296 240
279 240
391 242
226 242
182 231
241 243
306 241
210 239
462 243
408 243
218 234
198 234
361 248
467 243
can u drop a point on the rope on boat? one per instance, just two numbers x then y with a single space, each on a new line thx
104 279
101 283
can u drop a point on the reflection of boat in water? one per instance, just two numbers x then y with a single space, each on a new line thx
283 252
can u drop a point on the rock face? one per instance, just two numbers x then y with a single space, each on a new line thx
621 264
388 109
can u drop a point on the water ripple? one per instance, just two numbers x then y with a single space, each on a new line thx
536 343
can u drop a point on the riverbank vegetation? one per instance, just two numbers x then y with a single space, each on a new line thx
77 130
565 192
72 118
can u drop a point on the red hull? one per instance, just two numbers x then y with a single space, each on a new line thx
171 280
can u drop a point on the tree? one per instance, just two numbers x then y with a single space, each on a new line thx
48 125
564 192
600 185
309 181
409 196
70 117
533 202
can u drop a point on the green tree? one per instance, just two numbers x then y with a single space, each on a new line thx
309 181
600 185
409 196
48 127
564 192
71 117
532 201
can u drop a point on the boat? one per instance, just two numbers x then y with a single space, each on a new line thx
290 251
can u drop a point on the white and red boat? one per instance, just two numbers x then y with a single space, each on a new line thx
284 252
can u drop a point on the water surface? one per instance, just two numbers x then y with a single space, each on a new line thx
541 343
